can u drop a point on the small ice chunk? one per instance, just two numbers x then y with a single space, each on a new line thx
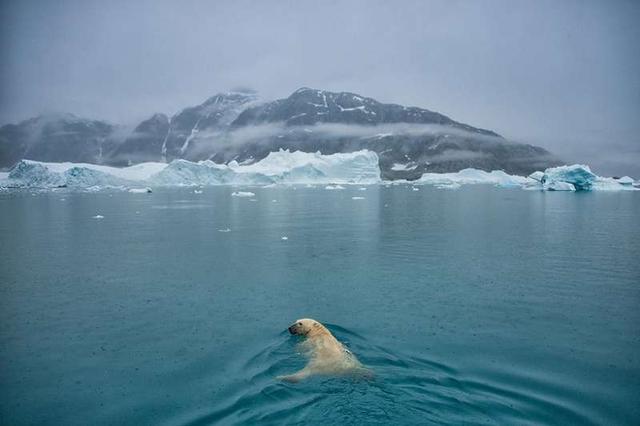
362 189
224 230
357 198
98 216
197 191
557 185
243 194
332 187
625 180
452 185
146 190
415 189
284 238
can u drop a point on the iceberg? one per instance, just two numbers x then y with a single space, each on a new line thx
304 167
278 167
243 194
578 175
35 174
558 186
537 176
146 190
473 176
625 180
285 167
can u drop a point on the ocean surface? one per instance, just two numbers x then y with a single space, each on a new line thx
473 306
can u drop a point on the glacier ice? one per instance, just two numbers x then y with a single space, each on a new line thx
472 176
557 185
278 167
625 180
146 190
243 194
34 174
285 167
578 175
537 176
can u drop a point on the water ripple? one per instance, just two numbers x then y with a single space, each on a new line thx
404 386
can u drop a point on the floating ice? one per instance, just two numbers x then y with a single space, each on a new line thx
625 180
285 167
224 230
611 184
452 185
558 186
34 174
243 194
357 198
537 176
415 188
472 176
304 167
398 167
578 175
278 167
284 238
146 190
98 216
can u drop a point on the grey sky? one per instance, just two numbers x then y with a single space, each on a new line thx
560 74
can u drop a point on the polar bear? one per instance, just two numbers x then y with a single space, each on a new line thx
326 355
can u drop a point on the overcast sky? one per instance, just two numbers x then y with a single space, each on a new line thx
561 74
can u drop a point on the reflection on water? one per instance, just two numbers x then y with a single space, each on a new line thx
476 306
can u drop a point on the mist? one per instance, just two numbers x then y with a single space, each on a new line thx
561 75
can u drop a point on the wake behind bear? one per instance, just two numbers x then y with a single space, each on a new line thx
325 354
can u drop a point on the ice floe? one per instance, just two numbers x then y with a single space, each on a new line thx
290 168
243 194
278 167
146 190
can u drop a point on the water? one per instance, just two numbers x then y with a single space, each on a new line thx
476 306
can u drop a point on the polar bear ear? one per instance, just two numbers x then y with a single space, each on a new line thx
316 324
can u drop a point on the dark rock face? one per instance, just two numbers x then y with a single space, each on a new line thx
408 140
144 143
309 106
210 118
440 145
56 138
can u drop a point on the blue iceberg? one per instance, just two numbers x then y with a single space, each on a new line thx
578 175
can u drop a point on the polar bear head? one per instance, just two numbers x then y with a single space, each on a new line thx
306 327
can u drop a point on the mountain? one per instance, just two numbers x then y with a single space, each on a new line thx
409 141
57 138
229 126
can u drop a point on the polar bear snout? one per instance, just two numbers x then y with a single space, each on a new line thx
296 328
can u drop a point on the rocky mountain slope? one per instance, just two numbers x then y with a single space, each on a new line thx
409 141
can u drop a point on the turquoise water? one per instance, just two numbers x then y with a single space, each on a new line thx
476 306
